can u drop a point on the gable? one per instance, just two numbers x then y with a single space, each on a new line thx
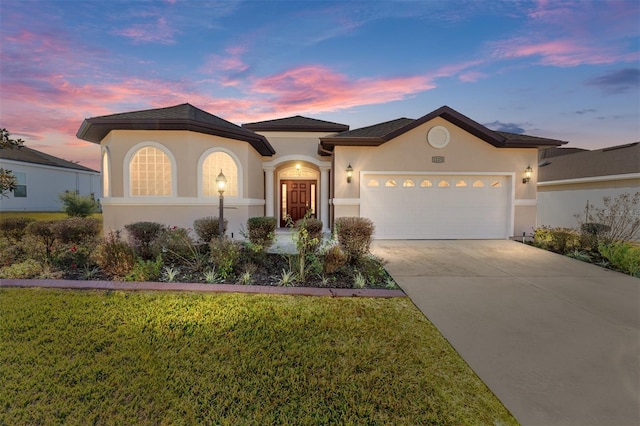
296 123
381 133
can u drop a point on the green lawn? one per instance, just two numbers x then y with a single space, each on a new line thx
42 215
103 357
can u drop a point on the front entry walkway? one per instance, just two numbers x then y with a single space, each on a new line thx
557 340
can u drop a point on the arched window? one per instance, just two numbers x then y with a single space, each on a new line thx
150 173
211 166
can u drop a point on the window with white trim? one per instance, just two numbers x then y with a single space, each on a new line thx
211 166
21 184
150 173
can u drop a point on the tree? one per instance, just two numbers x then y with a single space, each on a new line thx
8 181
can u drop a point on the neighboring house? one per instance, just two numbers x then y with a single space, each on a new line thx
569 179
42 178
440 176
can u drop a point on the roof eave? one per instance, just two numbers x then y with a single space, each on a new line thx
95 129
330 142
295 128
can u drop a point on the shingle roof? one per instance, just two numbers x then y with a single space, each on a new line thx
379 134
377 130
28 155
296 123
615 160
556 152
178 117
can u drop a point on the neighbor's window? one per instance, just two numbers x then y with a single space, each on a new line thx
150 172
211 167
21 187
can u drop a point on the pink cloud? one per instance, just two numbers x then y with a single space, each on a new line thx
319 89
471 76
156 32
561 53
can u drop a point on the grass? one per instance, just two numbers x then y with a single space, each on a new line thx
104 357
42 215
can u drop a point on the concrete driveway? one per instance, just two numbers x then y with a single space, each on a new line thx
557 340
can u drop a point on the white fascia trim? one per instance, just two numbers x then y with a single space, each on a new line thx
44 166
346 201
522 202
591 179
181 201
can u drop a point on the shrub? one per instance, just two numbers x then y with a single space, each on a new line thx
77 229
559 240
14 228
76 205
115 257
624 257
177 248
355 235
208 228
261 231
334 259
142 235
313 227
617 219
30 268
225 255
44 237
146 270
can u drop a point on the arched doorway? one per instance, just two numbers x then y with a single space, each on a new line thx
298 191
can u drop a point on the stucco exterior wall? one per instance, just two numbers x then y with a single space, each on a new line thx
557 204
45 183
411 152
187 203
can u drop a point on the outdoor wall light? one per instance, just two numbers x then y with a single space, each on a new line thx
527 174
298 168
349 173
221 182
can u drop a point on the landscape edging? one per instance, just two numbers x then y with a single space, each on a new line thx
200 287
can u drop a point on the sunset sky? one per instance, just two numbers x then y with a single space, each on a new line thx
564 70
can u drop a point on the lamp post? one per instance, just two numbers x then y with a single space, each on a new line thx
221 182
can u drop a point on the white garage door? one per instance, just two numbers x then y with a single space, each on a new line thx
436 207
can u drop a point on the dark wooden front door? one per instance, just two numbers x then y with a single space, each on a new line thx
296 199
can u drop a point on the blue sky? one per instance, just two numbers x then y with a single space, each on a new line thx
567 70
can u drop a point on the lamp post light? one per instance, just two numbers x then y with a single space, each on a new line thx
221 182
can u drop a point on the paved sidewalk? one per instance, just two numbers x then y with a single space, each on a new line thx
556 339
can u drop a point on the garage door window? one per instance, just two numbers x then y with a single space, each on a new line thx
461 184
496 184
478 184
391 183
443 184
373 183
426 183
408 183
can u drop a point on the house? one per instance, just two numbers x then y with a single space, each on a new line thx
42 177
569 179
439 176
